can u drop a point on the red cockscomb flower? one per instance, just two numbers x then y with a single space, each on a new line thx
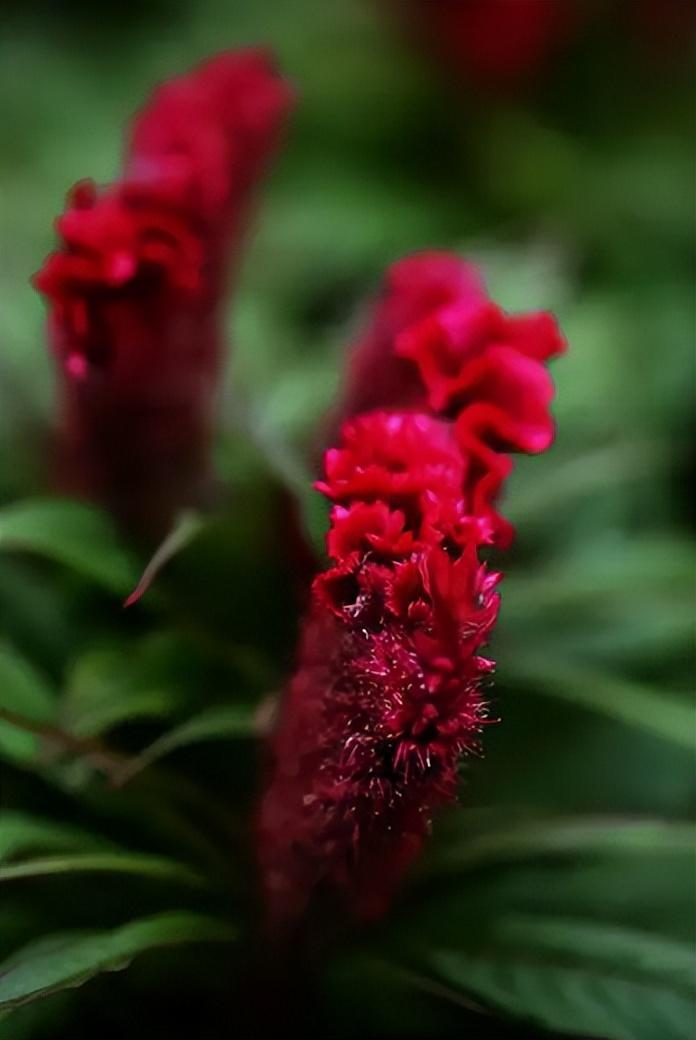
492 44
436 341
388 695
385 700
135 290
504 46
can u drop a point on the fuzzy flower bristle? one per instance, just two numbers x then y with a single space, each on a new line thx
388 692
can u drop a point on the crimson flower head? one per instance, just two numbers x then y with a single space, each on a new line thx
135 289
389 689
436 343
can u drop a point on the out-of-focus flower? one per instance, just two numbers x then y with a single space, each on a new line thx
664 29
388 695
136 288
503 46
491 44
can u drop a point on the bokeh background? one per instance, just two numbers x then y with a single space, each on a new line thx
563 163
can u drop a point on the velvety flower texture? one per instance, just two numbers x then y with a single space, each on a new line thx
388 693
136 288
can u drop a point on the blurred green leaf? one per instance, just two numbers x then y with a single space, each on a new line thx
138 863
394 1001
74 534
107 687
22 687
656 711
39 970
290 468
36 617
581 977
464 849
21 833
591 473
215 724
101 717
651 890
609 568
25 692
314 509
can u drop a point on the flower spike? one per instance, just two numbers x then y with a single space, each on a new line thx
389 689
136 287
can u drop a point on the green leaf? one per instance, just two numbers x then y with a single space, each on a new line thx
36 615
584 475
314 511
140 864
25 692
23 689
636 952
580 977
394 1001
658 712
74 534
66 961
651 889
101 717
592 938
467 849
21 833
291 470
643 567
215 724
110 686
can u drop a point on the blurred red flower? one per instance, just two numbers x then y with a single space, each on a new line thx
503 46
135 290
492 44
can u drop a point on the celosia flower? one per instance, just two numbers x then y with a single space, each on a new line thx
393 456
663 28
503 46
492 44
436 341
388 693
136 288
